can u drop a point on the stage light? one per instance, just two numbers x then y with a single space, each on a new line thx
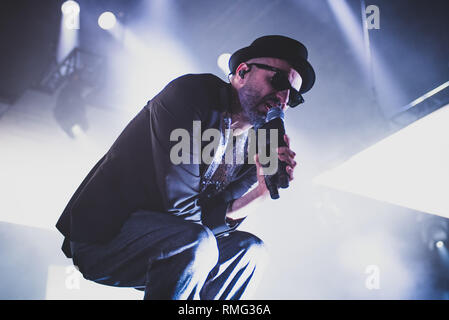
70 24
375 70
426 96
107 20
70 7
223 61
408 168
439 244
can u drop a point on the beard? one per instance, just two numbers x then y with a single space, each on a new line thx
249 100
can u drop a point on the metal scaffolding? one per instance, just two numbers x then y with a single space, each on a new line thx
87 64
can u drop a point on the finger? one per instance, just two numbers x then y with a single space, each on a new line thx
294 163
285 158
288 160
286 151
290 172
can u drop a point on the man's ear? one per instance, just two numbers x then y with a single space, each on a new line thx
241 70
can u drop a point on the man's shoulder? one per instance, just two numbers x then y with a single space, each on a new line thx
206 77
199 91
199 81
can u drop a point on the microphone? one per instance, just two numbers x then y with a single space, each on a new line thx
275 120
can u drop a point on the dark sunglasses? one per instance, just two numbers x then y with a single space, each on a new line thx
280 82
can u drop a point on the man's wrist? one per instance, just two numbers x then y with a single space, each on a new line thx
261 191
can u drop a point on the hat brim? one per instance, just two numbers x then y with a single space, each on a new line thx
303 67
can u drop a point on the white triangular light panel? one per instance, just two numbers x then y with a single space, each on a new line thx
409 168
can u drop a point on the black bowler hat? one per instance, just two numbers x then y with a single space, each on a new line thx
285 48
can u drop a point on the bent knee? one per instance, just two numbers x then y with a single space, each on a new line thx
253 245
248 240
205 245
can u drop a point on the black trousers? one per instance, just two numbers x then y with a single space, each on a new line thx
171 258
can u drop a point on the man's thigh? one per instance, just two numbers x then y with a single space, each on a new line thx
146 236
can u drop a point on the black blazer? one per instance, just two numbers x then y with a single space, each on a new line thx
136 173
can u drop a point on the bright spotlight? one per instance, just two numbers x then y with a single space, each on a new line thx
70 7
223 61
408 168
439 244
107 20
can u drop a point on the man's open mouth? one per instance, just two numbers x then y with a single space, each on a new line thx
269 104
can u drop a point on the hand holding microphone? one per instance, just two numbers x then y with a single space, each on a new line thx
286 162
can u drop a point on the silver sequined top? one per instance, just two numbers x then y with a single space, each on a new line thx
229 157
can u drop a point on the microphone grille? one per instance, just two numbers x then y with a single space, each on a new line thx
274 113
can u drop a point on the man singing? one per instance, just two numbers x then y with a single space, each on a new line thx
140 220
